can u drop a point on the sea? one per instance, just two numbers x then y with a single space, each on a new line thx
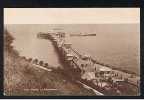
114 44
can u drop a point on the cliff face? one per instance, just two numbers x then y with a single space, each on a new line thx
22 77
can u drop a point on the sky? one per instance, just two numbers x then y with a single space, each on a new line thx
71 15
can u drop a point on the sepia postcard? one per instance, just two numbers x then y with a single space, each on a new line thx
72 52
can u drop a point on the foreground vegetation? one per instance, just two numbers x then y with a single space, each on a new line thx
21 78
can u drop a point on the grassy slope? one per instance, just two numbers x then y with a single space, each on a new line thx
21 76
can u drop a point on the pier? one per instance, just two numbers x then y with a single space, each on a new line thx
86 70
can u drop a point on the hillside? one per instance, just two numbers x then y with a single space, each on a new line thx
22 78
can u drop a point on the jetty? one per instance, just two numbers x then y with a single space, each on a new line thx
85 69
83 34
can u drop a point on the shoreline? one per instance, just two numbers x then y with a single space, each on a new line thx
63 52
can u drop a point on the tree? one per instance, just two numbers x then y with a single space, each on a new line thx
30 59
46 65
35 61
41 63
8 39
